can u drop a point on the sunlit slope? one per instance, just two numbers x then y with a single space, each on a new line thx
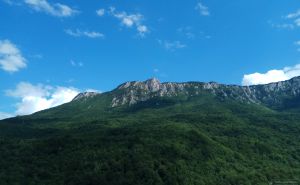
180 138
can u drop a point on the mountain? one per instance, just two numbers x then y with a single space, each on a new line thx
280 95
159 133
273 95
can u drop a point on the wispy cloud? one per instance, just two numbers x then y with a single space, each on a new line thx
189 33
289 21
171 45
100 12
56 9
34 98
271 76
295 17
186 31
76 64
283 26
80 33
203 10
297 43
11 59
130 20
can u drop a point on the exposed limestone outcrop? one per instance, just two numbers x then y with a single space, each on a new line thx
131 93
85 95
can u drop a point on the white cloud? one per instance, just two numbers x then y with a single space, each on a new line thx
100 12
34 98
171 46
11 59
4 115
131 20
202 9
79 33
142 29
57 9
272 76
291 21
293 15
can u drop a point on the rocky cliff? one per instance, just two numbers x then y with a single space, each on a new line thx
273 94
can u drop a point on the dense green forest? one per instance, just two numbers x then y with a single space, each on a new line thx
196 140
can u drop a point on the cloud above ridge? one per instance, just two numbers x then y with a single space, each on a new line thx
271 76
39 97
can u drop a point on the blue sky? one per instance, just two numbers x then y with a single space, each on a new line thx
52 49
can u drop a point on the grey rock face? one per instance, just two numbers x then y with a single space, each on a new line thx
133 92
85 95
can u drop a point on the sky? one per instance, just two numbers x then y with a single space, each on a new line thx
50 50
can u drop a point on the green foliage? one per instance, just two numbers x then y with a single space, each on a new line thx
173 141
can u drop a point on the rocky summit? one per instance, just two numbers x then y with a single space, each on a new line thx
85 95
273 94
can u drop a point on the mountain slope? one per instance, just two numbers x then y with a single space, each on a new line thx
279 96
159 133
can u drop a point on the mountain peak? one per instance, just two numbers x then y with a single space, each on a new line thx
152 85
85 95
152 80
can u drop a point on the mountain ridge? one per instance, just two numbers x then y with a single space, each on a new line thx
130 93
